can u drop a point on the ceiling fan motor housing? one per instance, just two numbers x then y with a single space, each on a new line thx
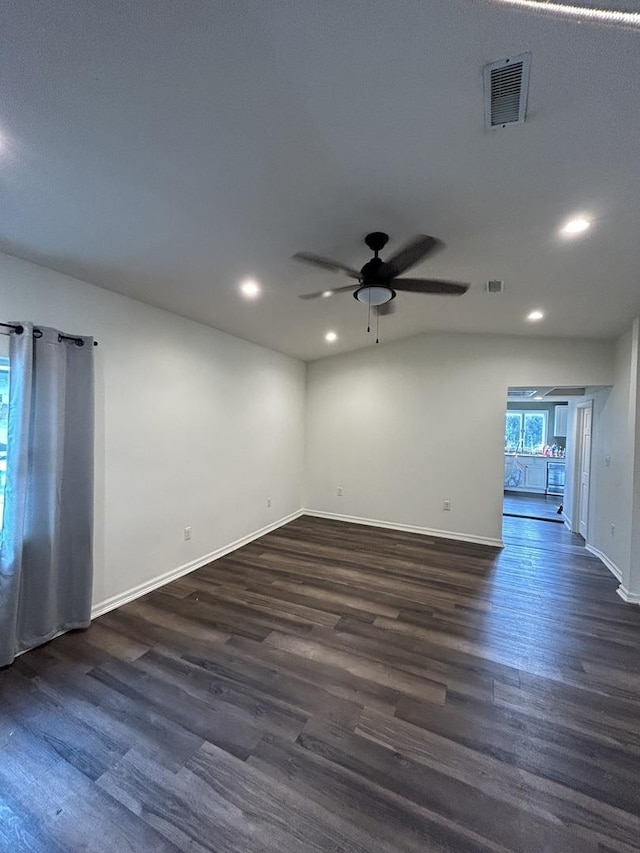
373 271
374 289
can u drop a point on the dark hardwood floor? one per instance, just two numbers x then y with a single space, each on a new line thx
524 505
338 688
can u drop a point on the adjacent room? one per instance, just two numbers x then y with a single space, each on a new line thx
535 450
319 426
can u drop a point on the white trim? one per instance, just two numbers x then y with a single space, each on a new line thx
615 571
577 467
160 580
629 597
623 592
408 528
567 521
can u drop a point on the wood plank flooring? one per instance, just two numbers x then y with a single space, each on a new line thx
337 688
541 507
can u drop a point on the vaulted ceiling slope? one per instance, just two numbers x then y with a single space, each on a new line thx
169 150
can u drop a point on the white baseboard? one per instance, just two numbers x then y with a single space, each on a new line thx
408 528
174 574
567 521
629 597
623 592
615 571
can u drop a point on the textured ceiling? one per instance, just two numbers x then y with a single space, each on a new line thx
166 150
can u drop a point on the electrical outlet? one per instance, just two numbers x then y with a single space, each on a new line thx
607 460
613 530
268 501
340 492
187 534
446 505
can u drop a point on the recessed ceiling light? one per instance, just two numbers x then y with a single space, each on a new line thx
535 315
538 398
331 337
250 288
575 226
327 293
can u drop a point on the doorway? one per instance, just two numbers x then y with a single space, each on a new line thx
584 426
535 445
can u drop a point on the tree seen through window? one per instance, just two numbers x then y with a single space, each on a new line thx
525 432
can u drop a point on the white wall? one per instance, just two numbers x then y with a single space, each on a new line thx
194 427
610 494
633 587
403 426
615 487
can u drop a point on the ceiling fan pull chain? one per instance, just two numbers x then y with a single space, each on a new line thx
369 315
377 327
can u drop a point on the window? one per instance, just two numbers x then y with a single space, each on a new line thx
513 431
525 432
4 417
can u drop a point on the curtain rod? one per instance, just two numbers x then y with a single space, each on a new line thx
38 334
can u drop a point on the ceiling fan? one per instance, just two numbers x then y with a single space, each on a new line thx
377 282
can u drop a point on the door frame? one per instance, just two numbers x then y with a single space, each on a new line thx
577 468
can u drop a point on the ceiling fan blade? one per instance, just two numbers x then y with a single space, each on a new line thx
325 264
332 291
386 308
413 252
430 285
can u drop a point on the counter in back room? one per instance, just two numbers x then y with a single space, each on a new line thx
528 473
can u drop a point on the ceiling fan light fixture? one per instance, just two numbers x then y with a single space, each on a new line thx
374 294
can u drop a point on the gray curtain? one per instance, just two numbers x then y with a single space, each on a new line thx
46 550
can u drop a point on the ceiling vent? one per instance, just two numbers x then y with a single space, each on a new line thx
494 286
566 392
522 393
506 86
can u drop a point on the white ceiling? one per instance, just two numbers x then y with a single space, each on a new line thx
166 150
